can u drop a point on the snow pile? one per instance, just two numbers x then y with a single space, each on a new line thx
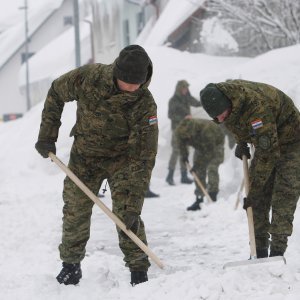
194 246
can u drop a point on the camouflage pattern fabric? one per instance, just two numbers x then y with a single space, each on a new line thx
229 135
207 139
267 118
175 155
78 207
180 105
115 137
179 108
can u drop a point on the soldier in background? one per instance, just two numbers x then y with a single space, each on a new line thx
264 116
208 141
179 108
115 137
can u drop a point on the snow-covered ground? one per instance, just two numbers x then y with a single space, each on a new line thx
194 246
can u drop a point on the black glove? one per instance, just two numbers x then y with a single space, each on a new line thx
44 148
132 221
247 203
193 169
242 149
185 159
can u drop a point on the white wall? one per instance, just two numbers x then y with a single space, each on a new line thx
15 101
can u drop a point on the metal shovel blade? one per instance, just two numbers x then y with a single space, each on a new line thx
254 261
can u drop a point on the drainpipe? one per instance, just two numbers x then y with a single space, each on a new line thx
92 40
77 33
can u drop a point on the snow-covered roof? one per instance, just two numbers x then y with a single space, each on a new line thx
12 39
49 63
174 14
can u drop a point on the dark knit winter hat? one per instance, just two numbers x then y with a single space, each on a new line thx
213 100
132 65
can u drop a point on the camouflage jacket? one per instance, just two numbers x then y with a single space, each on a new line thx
180 107
265 117
109 122
203 135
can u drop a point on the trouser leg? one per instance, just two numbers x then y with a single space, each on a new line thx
77 211
213 177
261 214
285 197
135 258
175 153
201 169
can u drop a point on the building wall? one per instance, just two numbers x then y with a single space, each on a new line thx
15 100
116 24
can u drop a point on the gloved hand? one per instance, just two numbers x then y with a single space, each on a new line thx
185 159
247 203
242 149
193 169
44 148
132 221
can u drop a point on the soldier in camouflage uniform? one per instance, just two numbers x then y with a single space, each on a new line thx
179 108
264 116
115 137
208 141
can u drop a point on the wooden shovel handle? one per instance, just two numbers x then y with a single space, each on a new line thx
249 211
199 183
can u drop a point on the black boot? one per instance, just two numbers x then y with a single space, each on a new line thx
70 274
184 178
213 196
276 253
261 253
196 204
150 194
138 277
169 178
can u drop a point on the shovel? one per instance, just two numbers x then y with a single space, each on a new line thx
239 195
199 183
253 257
106 210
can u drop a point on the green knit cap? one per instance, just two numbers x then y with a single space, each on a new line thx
213 100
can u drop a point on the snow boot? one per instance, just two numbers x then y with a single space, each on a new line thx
196 204
185 179
213 196
261 253
169 178
138 277
276 253
150 194
70 274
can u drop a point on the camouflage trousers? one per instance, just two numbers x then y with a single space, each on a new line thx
77 208
278 200
207 170
175 155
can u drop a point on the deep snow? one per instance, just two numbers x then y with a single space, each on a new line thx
194 246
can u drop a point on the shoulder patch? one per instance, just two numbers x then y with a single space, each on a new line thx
257 124
152 120
264 142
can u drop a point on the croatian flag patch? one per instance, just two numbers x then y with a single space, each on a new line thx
257 124
152 120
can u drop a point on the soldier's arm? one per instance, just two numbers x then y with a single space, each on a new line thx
193 101
143 142
63 89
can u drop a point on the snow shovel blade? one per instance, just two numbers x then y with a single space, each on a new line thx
254 261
